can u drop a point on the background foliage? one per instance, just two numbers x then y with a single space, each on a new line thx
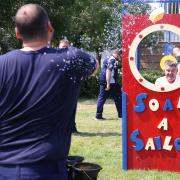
81 21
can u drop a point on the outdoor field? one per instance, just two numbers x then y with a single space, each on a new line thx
101 142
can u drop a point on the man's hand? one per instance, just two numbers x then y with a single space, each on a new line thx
107 87
108 77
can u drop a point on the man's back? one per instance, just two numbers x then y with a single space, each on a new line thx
38 93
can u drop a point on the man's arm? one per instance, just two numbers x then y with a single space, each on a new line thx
97 67
79 64
108 78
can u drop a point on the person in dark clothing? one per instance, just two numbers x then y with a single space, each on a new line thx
109 84
64 43
39 88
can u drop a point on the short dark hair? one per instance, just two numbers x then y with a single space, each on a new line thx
117 51
32 25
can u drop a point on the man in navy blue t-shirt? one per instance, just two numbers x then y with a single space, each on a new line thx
38 94
109 84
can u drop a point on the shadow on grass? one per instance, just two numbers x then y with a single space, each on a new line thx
88 134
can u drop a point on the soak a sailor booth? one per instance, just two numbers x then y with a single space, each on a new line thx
151 114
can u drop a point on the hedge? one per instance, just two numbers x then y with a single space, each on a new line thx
90 87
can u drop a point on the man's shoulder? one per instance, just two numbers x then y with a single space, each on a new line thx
8 54
112 59
160 80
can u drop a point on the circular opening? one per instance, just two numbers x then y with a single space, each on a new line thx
132 56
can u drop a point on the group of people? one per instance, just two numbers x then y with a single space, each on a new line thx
109 83
39 88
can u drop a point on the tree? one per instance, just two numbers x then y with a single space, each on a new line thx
56 9
81 21
87 23
91 24
7 35
113 27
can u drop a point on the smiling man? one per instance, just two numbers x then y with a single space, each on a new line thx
170 71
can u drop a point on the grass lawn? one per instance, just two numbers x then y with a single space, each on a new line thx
101 142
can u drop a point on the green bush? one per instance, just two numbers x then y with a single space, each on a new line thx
151 76
90 87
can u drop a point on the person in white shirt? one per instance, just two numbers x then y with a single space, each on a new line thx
171 77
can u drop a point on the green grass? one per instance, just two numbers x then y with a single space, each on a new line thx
101 142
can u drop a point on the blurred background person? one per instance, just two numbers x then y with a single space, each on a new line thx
64 43
176 54
109 84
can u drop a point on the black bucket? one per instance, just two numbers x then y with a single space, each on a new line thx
72 160
86 171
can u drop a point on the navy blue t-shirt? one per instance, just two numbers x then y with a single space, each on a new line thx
111 64
38 95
